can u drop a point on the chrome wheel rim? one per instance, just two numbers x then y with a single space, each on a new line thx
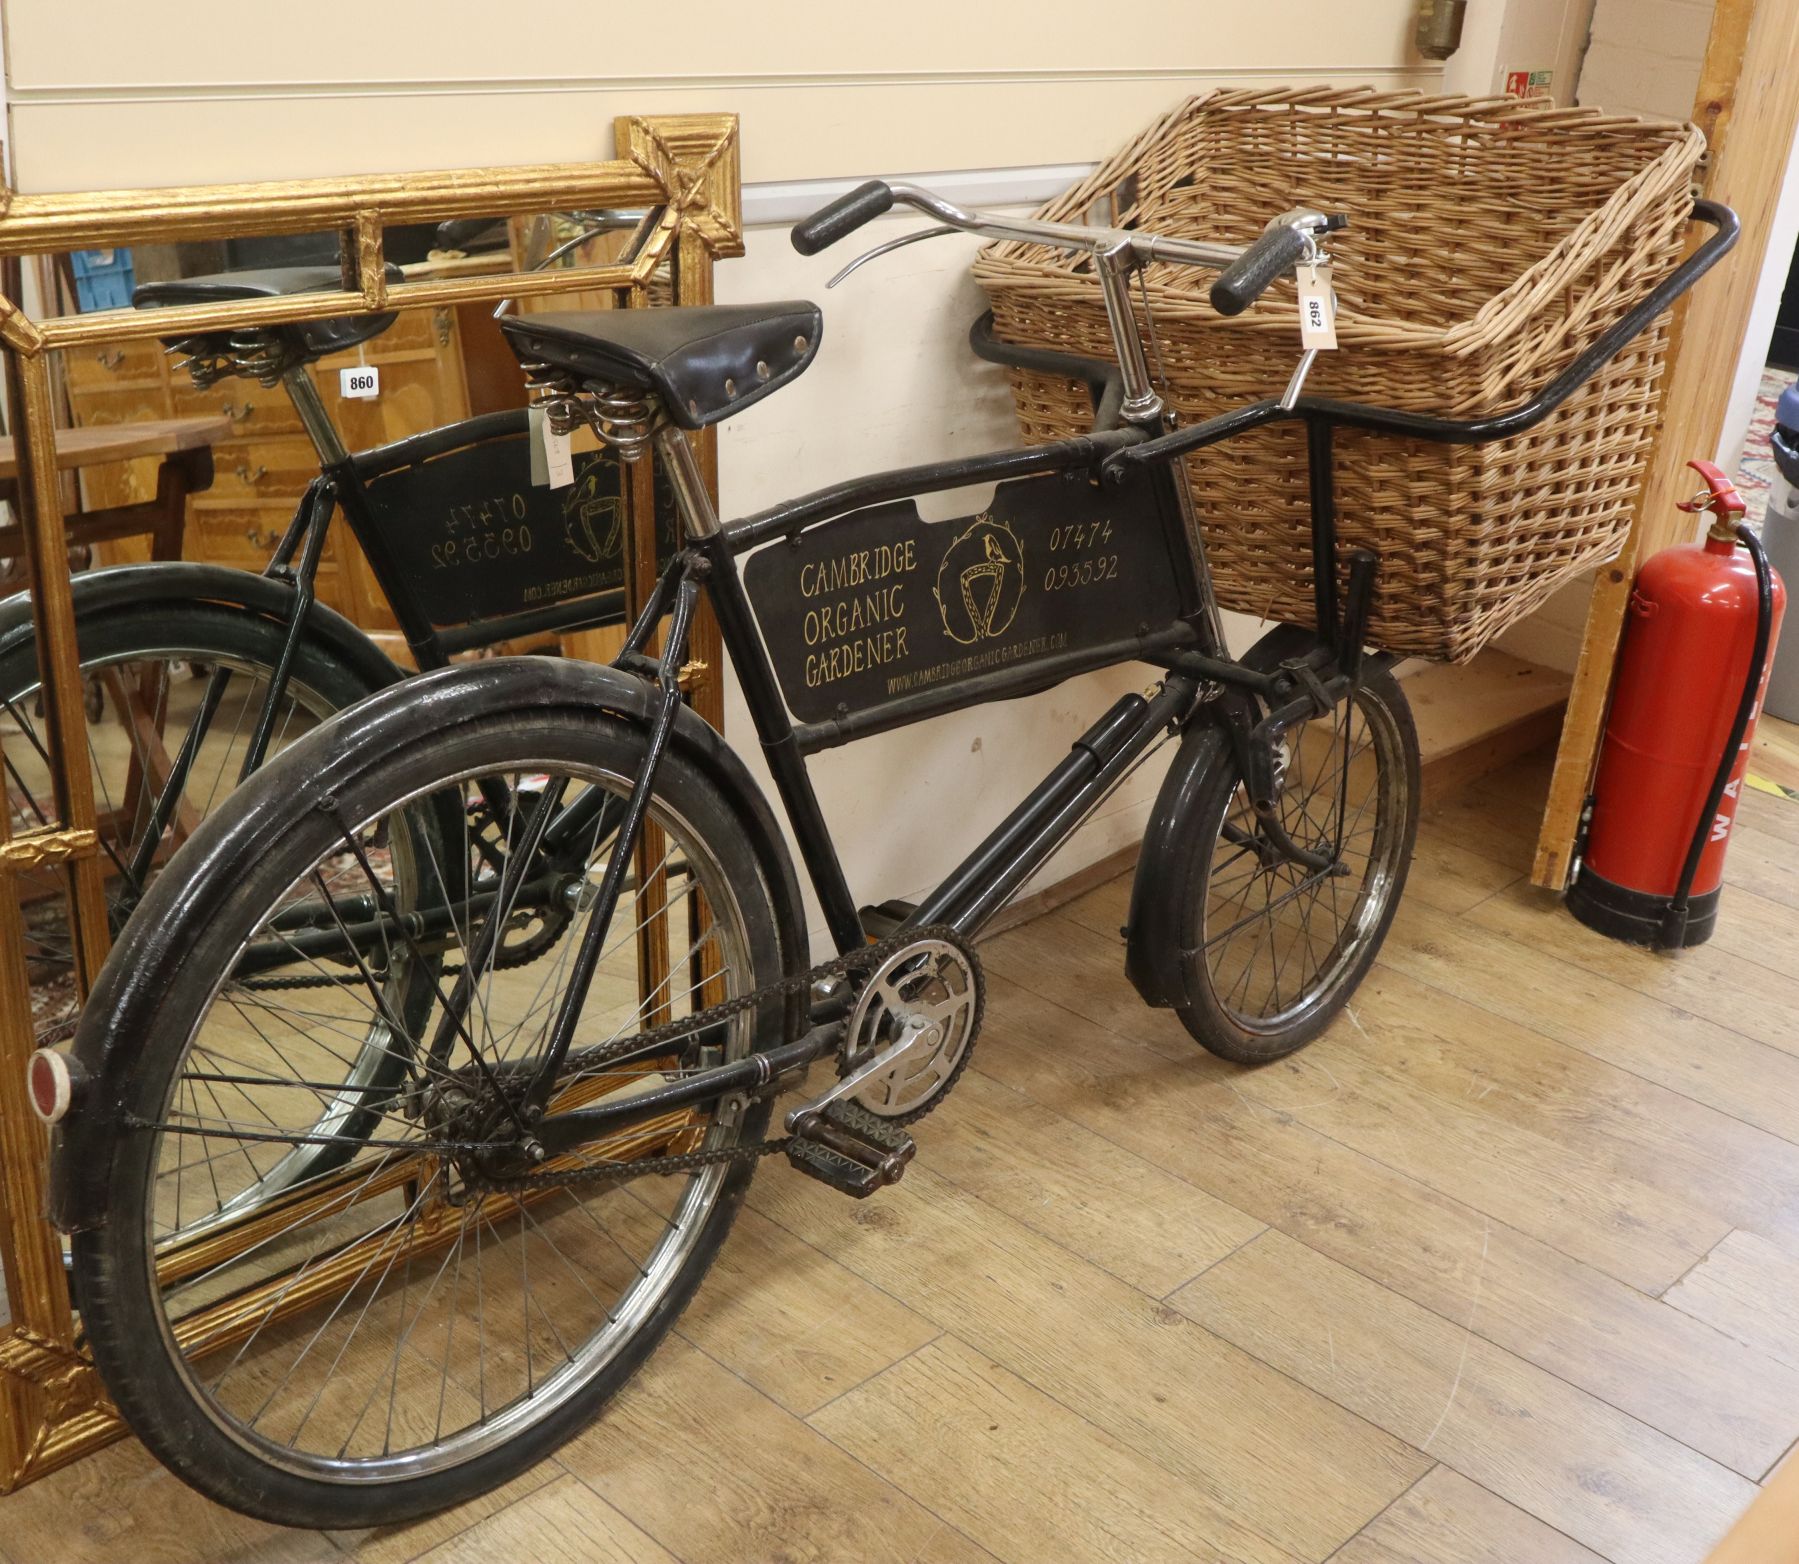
488 1420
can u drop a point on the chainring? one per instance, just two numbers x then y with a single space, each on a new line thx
937 979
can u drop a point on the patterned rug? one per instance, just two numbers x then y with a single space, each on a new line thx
1756 471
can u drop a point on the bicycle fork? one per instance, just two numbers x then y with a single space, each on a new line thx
1256 743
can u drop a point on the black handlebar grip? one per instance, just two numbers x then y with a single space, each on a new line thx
840 217
1245 280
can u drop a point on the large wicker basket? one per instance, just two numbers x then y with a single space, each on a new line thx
1490 241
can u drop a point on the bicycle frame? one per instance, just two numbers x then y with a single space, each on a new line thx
1200 677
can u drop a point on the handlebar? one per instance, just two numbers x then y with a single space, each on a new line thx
842 217
867 201
1102 375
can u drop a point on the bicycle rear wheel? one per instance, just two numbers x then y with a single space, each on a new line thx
1272 950
402 1333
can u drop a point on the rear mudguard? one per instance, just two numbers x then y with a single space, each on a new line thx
125 997
174 583
1152 959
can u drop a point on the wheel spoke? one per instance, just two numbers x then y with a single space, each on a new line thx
1278 940
353 1274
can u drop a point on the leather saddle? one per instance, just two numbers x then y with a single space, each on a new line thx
307 340
704 361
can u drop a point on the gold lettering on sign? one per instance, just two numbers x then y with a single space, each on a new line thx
858 569
856 610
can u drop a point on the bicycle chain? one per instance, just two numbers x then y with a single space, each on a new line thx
645 1042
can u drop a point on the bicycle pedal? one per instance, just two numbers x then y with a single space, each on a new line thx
854 1151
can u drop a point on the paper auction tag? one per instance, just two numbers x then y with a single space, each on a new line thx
359 380
552 459
1317 306
540 467
559 458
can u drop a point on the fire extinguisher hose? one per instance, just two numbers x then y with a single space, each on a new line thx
1674 926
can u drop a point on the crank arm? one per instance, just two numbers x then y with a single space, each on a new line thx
563 1132
915 1032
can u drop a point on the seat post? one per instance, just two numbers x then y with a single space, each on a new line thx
683 469
317 422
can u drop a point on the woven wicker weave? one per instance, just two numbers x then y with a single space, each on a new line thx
1490 241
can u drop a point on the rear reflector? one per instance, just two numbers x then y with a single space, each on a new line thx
52 1084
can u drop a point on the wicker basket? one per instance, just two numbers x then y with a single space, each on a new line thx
1490 241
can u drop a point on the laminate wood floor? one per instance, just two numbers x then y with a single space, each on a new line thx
1502 1270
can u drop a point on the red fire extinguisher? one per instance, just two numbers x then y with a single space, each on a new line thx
1698 643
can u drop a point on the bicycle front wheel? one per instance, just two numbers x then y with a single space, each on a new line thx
410 1328
1271 949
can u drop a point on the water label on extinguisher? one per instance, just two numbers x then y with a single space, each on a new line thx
1722 821
1733 789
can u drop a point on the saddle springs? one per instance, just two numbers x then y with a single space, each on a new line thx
624 417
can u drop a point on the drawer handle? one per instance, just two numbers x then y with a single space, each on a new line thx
245 475
110 358
262 538
238 414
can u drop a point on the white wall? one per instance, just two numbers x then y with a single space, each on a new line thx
1645 56
1519 35
1783 235
117 92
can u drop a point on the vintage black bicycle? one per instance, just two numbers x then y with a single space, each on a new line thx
422 1087
195 673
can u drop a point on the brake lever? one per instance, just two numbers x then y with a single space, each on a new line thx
892 244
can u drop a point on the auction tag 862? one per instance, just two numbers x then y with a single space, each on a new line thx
1317 306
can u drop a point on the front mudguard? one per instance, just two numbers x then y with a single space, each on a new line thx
125 998
1152 958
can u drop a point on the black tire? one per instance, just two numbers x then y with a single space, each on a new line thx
1220 878
126 1321
122 632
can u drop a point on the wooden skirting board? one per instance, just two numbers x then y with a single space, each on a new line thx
1472 719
